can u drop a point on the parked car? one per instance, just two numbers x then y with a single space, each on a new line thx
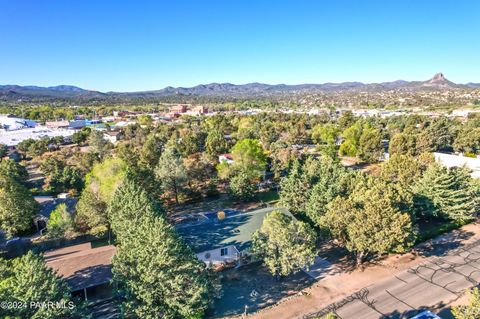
13 241
426 315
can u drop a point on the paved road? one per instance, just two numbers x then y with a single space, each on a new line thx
431 285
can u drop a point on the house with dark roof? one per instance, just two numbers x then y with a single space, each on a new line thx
48 204
87 270
226 236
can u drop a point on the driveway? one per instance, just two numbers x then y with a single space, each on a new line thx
320 269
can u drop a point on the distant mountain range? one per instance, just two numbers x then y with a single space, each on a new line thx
66 92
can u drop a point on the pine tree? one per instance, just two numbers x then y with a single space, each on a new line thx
294 190
101 184
443 192
369 222
27 279
284 244
402 169
17 206
331 180
215 143
155 272
170 172
92 213
370 145
98 145
60 222
14 170
241 185
151 151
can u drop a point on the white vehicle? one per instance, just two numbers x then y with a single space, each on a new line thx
426 315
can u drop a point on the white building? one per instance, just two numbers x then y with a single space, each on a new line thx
12 138
227 158
112 136
452 160
11 123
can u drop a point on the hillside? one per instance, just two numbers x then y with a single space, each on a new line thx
342 94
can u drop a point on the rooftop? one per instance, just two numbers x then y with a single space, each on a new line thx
49 203
235 229
81 265
452 160
12 138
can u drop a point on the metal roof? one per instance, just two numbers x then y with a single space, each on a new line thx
236 229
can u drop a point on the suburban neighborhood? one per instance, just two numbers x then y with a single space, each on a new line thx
239 160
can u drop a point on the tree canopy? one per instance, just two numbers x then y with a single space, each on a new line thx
101 184
17 207
284 244
448 193
369 222
27 279
472 309
155 272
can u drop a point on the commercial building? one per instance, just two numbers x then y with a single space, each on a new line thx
11 138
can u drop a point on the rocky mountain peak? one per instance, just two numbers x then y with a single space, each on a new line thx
439 77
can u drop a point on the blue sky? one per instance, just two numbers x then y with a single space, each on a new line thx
142 45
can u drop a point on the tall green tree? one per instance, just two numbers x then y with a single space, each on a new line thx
294 189
402 169
98 145
170 172
27 279
191 141
151 151
60 223
346 120
351 143
81 136
241 186
370 145
157 275
284 244
369 222
443 192
331 180
468 141
402 144
61 177
101 183
215 143
326 137
249 155
14 170
17 207
91 214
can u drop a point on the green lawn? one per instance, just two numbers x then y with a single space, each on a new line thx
269 197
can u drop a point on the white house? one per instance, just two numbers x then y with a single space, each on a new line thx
224 237
452 160
112 136
226 254
227 158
